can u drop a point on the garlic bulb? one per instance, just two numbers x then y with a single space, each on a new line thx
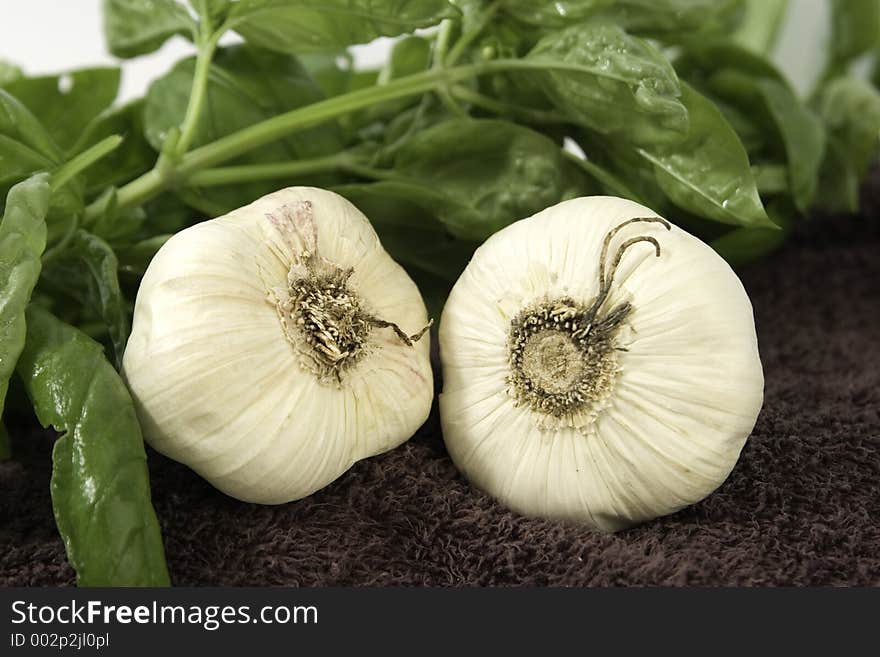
262 351
600 365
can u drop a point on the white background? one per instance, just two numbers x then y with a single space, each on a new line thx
52 36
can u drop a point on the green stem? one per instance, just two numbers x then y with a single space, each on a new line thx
467 38
230 146
207 46
306 117
282 125
134 193
84 160
442 42
252 172
443 36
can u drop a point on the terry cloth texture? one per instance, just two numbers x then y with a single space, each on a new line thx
802 506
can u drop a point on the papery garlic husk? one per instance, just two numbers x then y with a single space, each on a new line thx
635 414
230 379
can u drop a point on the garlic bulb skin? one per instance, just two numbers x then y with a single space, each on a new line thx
230 372
600 408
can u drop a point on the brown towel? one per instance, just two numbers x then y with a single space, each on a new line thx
802 506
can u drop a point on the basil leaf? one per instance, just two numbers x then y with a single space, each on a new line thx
609 182
700 59
26 148
800 131
137 27
25 145
296 26
215 10
18 160
612 82
332 71
100 484
22 241
708 172
851 110
66 104
752 136
839 182
653 17
167 213
760 26
400 129
112 224
87 271
855 29
478 175
635 177
769 117
803 136
408 56
771 178
245 85
131 159
504 36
